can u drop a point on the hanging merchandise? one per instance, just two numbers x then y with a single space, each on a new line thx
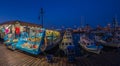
7 30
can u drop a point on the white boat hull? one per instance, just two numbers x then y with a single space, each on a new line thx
110 44
92 50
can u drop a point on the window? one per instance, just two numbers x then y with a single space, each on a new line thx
62 43
66 43
70 43
68 34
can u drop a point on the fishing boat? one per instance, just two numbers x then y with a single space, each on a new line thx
89 45
66 41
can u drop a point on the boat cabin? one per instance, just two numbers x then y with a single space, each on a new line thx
66 41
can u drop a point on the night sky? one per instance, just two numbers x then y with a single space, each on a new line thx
59 13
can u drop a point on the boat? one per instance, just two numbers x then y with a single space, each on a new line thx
67 40
31 45
33 41
52 39
109 40
117 34
71 53
112 37
89 45
9 38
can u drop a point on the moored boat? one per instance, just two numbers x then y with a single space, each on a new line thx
109 41
33 41
89 45
66 41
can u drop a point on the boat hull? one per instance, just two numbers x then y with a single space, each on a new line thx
92 50
110 44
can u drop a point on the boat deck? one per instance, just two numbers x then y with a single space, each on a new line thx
18 58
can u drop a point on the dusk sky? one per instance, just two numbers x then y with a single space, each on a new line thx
59 13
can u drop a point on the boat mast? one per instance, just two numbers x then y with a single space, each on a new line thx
115 24
82 22
42 14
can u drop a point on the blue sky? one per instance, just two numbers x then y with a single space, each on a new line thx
59 13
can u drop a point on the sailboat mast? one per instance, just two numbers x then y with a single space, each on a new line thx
115 24
82 22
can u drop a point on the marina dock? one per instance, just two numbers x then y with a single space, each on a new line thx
59 33
19 58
